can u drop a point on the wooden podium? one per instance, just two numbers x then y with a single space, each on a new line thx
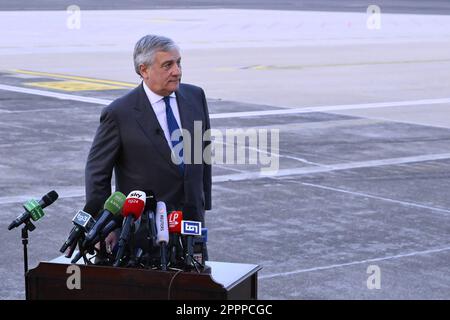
225 281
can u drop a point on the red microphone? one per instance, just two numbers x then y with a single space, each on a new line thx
175 218
132 210
134 205
175 246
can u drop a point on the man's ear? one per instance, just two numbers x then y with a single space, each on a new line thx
143 69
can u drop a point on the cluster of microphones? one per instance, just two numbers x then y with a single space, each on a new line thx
151 234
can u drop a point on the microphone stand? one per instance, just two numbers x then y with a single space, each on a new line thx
27 227
25 251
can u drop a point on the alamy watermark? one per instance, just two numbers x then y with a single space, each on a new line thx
74 280
74 17
229 146
374 279
373 17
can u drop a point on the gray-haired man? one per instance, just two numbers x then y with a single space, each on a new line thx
134 136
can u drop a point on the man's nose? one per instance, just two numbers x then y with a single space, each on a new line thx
176 70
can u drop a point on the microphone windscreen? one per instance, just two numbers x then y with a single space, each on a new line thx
50 197
115 202
134 204
161 222
150 200
175 218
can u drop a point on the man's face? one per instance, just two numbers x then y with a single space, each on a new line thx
164 74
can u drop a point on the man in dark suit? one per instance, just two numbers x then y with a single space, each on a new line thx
135 136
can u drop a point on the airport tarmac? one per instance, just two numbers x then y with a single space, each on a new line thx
364 130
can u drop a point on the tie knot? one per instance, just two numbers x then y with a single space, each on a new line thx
167 100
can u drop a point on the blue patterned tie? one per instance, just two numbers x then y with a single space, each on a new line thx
173 125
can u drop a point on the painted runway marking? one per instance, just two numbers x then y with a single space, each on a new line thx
69 77
227 115
365 195
57 95
297 171
399 256
329 168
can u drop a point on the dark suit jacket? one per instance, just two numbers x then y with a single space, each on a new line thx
130 140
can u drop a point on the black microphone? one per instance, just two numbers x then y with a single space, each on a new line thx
110 227
189 230
151 225
200 250
111 208
132 210
83 222
149 212
33 209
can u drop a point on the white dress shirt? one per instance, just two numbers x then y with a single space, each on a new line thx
159 107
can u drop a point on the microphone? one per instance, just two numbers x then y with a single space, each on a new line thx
83 222
151 229
190 229
175 246
100 258
33 209
136 258
150 208
200 249
162 232
175 218
132 210
111 208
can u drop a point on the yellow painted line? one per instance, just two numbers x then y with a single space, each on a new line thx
261 67
73 85
63 76
297 67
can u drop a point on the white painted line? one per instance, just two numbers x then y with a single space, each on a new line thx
331 108
77 192
236 114
416 253
72 109
38 143
57 95
329 168
63 192
365 195
267 153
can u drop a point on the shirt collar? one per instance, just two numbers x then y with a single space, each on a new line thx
153 97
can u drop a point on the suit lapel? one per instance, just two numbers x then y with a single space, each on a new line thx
148 122
187 123
185 110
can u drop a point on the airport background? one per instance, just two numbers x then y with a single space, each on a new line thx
362 102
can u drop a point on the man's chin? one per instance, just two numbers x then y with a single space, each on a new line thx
173 86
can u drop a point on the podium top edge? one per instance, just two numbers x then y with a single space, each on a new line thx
225 273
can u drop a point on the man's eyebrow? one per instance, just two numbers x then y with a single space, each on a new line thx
170 61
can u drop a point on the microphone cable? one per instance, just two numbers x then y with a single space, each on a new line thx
171 281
